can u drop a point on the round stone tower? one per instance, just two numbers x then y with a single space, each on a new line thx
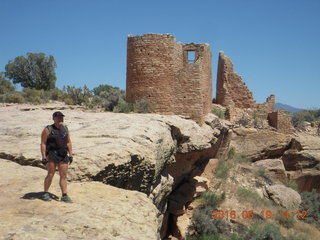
152 62
175 78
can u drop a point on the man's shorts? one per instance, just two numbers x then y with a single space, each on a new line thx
56 156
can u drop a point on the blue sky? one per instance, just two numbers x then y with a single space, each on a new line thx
274 44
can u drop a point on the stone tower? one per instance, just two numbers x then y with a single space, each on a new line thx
176 78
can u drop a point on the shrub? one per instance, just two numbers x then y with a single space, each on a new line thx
242 159
290 183
262 231
205 237
311 204
209 198
202 223
231 153
77 96
35 96
13 97
306 115
222 169
218 112
111 98
143 106
234 236
252 197
56 94
297 236
244 121
123 107
287 222
5 85
261 172
102 88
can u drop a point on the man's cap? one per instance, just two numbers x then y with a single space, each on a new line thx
57 114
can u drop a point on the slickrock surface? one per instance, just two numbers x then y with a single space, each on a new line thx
124 150
130 151
99 211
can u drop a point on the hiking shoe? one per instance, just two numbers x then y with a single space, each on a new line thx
46 197
66 198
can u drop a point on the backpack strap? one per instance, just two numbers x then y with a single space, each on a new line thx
50 128
66 128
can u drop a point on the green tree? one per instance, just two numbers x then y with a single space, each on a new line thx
5 85
36 70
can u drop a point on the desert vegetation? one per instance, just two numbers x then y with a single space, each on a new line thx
35 72
305 116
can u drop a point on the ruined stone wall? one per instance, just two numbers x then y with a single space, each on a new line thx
281 121
267 107
231 90
158 70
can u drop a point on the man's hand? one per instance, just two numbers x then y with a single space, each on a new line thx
70 160
44 161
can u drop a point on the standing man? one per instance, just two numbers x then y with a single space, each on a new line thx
56 151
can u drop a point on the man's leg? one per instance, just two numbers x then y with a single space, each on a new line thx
63 170
51 166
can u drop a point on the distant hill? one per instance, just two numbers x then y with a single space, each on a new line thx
288 108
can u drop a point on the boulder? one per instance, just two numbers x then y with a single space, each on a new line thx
284 196
275 168
201 184
99 211
298 160
303 162
181 226
260 144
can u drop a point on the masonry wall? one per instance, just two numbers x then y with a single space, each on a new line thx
280 121
267 107
158 70
231 90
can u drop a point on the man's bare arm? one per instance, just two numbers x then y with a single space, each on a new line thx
69 145
43 146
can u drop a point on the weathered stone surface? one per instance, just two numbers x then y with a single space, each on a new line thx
145 152
208 170
99 211
274 166
303 161
124 150
181 226
262 144
284 196
307 179
297 160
